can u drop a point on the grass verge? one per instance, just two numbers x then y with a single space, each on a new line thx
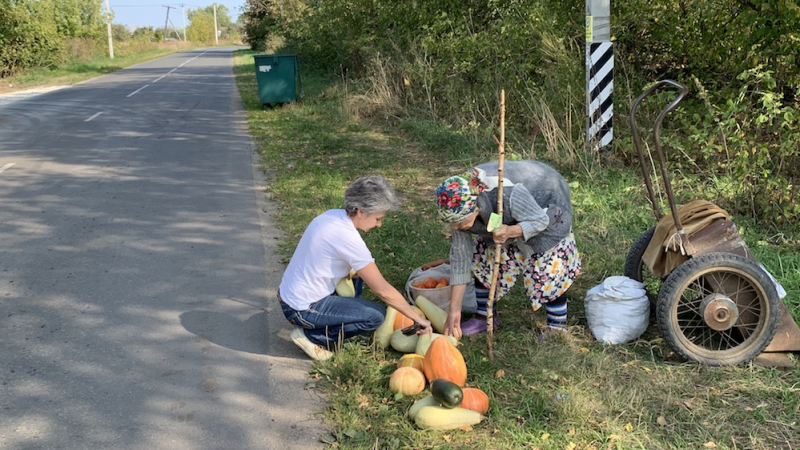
83 70
568 393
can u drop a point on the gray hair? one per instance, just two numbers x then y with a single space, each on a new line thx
370 194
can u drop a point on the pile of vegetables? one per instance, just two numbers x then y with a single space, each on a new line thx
435 359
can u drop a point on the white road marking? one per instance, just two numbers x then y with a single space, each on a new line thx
173 70
94 116
134 92
7 166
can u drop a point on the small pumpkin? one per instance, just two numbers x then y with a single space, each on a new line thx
411 360
475 400
443 360
402 321
407 381
447 392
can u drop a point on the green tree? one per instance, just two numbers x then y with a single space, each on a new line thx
223 15
201 28
120 32
78 18
146 34
260 20
28 35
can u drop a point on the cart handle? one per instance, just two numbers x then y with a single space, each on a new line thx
659 151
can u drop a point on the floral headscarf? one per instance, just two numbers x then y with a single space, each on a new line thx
457 196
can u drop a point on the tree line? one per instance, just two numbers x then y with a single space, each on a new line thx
45 33
738 131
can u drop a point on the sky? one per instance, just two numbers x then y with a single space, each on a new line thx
147 13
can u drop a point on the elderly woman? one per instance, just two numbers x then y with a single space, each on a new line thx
330 247
536 237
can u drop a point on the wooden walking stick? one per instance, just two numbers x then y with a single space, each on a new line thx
501 145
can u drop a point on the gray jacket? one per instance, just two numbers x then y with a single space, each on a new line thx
539 203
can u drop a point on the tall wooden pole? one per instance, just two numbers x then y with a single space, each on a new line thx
498 247
110 39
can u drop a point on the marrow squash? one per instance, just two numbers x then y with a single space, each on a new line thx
419 404
436 315
383 334
440 418
403 343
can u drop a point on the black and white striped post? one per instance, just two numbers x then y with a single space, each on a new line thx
599 75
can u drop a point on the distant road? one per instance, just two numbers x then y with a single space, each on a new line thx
137 274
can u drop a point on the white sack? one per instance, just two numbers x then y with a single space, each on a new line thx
618 310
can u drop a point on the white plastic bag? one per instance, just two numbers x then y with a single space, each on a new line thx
469 302
618 310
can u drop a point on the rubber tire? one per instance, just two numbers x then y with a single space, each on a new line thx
634 265
633 262
675 285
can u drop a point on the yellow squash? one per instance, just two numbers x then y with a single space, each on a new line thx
383 334
440 418
436 315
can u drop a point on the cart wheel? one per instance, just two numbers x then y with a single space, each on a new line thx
718 309
635 268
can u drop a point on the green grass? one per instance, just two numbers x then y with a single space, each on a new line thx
570 392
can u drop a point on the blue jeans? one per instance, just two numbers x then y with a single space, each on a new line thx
326 320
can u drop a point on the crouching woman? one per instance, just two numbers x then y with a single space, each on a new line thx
330 247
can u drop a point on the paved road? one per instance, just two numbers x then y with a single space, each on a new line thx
136 270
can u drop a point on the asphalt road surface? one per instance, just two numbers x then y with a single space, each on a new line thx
137 274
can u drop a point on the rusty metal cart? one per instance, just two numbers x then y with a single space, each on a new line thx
719 306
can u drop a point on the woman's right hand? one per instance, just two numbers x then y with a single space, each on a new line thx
438 262
452 326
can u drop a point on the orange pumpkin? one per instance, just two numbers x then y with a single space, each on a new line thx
443 360
411 360
407 381
401 321
476 400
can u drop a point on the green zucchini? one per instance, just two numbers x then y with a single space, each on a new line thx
448 393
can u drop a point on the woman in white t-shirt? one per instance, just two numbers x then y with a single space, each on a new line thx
330 247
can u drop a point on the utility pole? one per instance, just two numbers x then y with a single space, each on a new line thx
110 40
166 21
216 42
599 75
183 13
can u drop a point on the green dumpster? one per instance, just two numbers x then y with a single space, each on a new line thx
278 79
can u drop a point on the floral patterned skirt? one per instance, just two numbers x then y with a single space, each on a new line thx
546 276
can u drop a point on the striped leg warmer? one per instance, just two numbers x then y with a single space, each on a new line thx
557 313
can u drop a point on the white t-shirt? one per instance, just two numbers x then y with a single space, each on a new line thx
329 247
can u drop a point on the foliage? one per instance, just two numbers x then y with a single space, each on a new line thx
201 28
223 15
27 36
33 32
450 59
264 19
120 33
79 18
147 34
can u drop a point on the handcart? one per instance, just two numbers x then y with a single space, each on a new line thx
719 306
